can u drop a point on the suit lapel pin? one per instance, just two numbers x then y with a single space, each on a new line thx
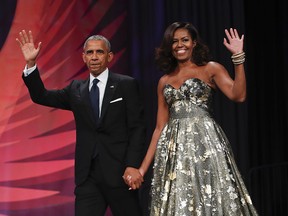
112 86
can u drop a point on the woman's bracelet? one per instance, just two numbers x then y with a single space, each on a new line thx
238 58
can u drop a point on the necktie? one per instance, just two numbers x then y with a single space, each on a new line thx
94 97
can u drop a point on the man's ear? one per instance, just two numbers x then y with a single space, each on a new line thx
110 56
83 57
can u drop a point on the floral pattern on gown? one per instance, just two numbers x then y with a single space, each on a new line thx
194 168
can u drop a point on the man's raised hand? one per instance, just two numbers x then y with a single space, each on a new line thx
26 43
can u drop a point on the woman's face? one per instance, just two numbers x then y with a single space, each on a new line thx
182 46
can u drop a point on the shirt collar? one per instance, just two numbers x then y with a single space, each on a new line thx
103 77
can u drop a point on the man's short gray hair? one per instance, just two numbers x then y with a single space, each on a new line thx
98 37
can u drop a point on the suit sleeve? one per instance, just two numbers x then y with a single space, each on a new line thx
136 124
40 95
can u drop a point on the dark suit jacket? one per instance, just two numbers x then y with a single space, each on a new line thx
120 134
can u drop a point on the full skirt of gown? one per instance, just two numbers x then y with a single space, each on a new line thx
194 171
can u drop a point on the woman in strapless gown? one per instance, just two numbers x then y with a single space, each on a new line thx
194 170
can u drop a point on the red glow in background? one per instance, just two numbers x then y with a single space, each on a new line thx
37 143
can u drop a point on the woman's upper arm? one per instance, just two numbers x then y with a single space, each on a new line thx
163 111
234 89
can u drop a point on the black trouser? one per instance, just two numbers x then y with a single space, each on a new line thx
94 196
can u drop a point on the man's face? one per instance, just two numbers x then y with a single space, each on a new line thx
96 56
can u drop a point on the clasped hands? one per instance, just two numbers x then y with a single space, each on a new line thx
133 178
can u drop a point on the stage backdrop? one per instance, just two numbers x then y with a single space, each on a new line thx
37 143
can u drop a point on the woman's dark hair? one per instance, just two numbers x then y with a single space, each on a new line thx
166 62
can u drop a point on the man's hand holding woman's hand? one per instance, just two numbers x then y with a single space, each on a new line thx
133 178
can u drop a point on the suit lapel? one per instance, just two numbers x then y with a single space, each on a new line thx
111 86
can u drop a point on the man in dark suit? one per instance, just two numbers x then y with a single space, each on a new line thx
109 141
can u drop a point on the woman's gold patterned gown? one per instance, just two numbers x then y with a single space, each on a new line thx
194 168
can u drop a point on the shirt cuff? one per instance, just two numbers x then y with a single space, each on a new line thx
28 71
